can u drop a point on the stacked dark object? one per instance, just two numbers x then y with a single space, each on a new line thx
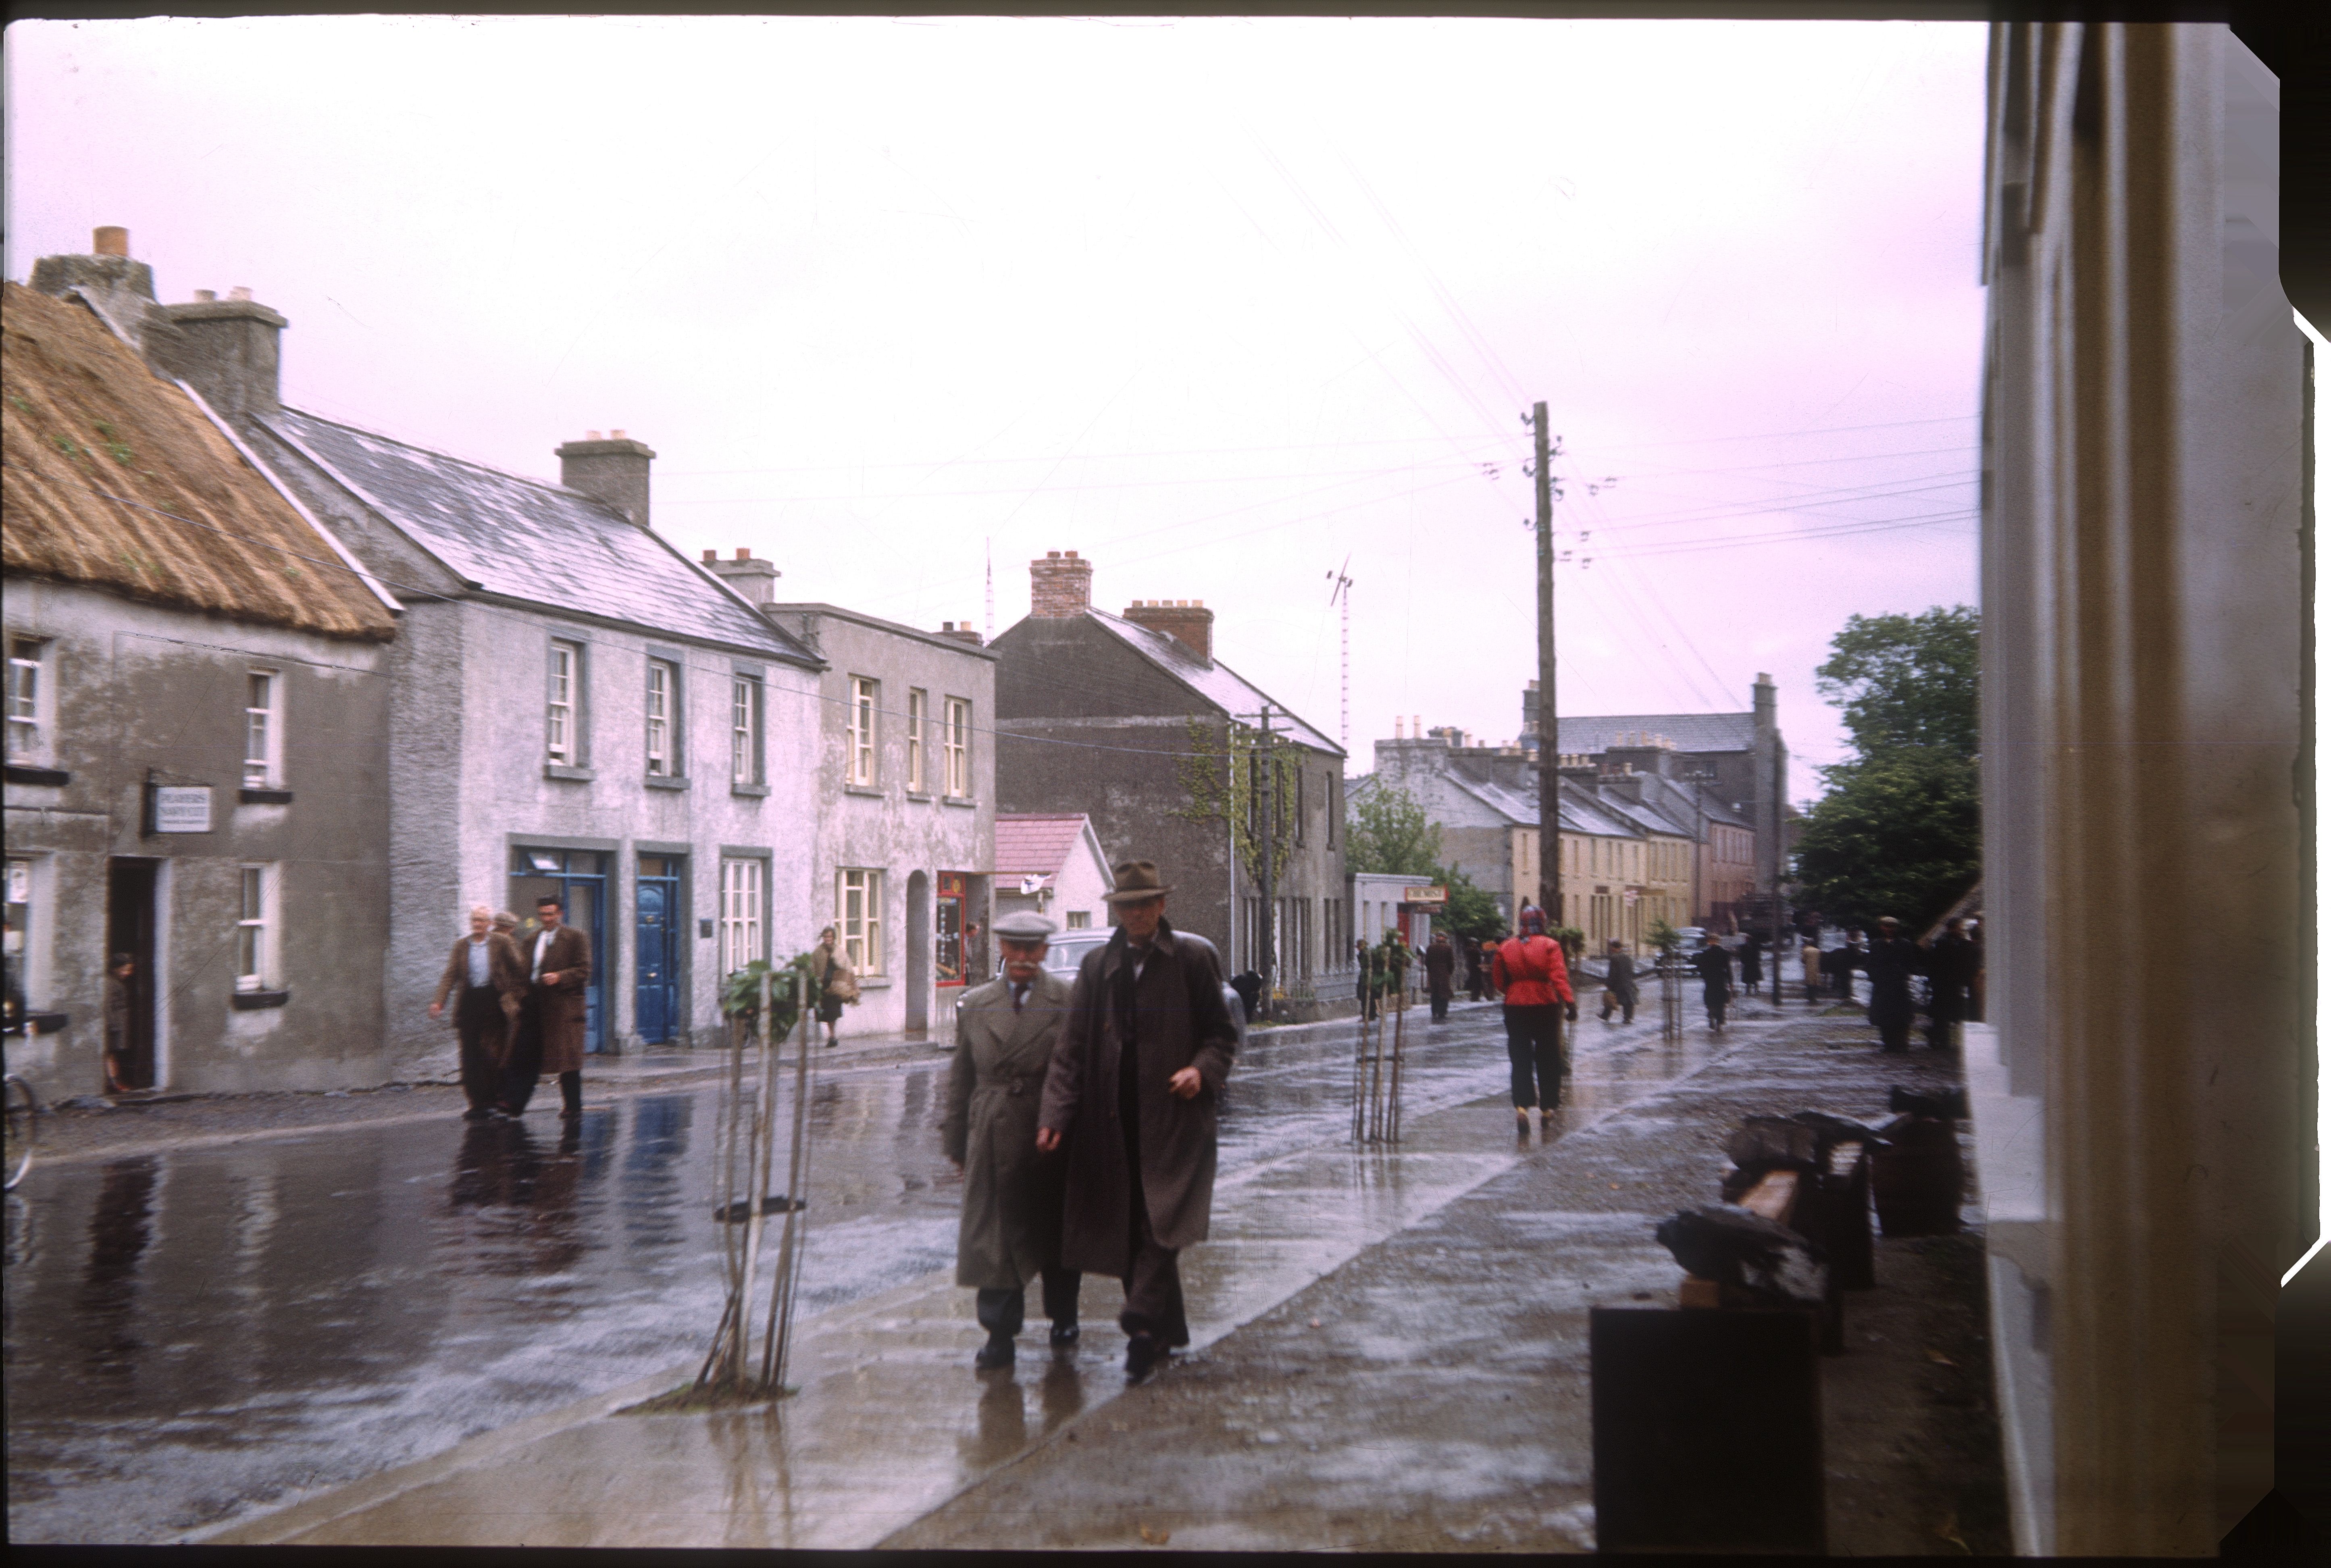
1707 1426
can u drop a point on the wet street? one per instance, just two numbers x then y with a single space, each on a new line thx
199 1335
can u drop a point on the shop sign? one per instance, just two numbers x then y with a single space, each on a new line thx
182 808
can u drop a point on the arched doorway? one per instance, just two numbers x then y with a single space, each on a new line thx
919 954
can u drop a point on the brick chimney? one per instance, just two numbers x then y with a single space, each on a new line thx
614 469
1186 620
1062 586
757 580
965 633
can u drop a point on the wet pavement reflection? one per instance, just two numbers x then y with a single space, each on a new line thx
198 1337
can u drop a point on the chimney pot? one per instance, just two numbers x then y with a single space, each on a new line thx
110 239
743 553
239 291
1051 555
615 435
590 435
710 556
206 296
1072 554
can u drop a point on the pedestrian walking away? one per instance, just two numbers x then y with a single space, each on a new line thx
1440 975
1475 963
1361 959
1891 960
1134 1085
1813 960
485 979
553 1014
1751 963
837 983
1619 984
1715 967
1950 971
1012 1192
1535 982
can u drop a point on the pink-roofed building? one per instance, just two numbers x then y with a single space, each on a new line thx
1051 862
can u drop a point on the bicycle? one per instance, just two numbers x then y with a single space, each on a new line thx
24 1112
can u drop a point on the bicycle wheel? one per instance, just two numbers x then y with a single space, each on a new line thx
23 1107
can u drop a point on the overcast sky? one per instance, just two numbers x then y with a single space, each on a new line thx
1217 304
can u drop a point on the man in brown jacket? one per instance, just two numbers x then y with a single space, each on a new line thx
1132 1092
551 1018
485 977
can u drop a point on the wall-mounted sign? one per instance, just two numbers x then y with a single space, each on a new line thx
1628 898
182 808
1425 895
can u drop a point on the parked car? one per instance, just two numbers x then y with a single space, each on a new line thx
1067 953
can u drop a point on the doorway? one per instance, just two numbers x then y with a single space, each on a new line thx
656 920
131 926
578 880
919 954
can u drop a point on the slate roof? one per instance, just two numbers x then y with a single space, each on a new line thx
1034 844
1649 816
1580 813
1216 682
1689 731
118 479
533 542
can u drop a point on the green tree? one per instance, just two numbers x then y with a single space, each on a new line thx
1224 780
1899 831
1906 680
1470 914
1898 834
1386 833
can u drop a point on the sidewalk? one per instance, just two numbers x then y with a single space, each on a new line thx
1388 1354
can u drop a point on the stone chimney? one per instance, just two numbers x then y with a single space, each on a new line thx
1186 620
757 580
230 350
1062 586
965 633
120 290
614 469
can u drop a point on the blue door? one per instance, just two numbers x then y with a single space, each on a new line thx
656 916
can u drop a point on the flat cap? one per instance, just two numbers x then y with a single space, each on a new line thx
1024 926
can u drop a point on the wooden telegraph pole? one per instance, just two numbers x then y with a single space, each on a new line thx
1549 759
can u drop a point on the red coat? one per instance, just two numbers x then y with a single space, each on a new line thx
1530 970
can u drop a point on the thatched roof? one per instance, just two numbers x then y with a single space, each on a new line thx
115 478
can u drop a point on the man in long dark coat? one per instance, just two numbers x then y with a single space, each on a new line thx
1440 975
1013 1193
1619 984
1891 960
1715 967
1134 1086
1950 970
553 1014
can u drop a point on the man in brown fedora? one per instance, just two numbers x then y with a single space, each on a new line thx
1135 1083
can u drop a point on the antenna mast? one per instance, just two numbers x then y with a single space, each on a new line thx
991 590
1342 590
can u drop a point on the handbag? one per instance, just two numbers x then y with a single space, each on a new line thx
840 983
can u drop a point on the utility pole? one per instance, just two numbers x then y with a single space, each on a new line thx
991 590
1343 590
1549 758
1267 937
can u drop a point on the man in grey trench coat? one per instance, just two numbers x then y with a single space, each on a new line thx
1133 1088
1004 1032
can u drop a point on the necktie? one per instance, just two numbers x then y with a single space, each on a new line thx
1019 995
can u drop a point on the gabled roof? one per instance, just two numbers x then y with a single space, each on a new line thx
533 542
118 479
1215 682
1649 816
1037 844
1689 731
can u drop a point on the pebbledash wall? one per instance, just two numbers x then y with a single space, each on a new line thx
137 693
475 801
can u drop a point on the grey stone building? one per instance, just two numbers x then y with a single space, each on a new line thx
198 735
575 705
1104 713
904 775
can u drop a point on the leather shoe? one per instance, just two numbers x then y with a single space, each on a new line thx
994 1356
1141 1356
1064 1334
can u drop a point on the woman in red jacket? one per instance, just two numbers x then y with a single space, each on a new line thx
1535 982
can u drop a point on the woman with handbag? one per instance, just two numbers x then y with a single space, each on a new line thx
837 984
